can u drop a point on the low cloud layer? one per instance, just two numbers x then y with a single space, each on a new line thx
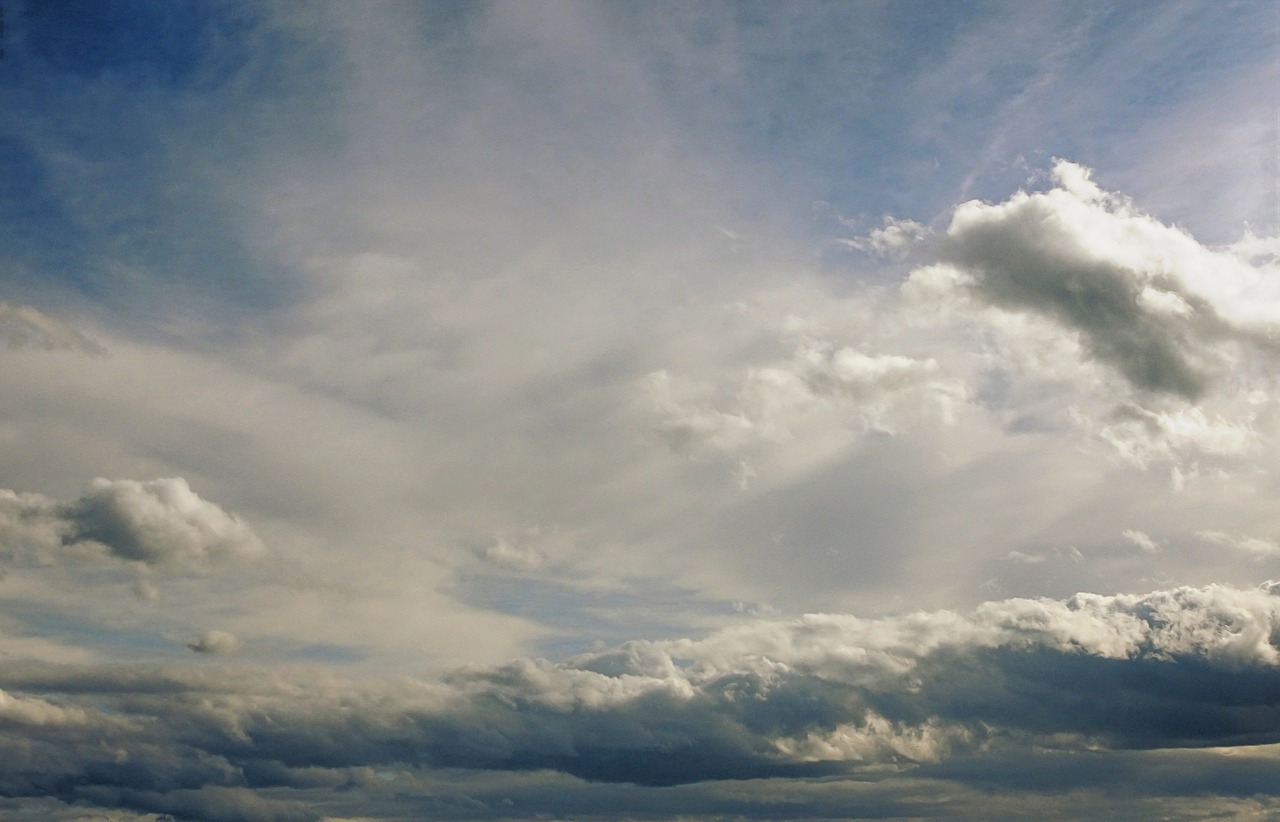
821 696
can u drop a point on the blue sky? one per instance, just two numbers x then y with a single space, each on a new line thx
639 410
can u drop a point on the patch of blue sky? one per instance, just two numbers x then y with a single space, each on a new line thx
178 46
810 96
939 102
48 621
37 232
126 128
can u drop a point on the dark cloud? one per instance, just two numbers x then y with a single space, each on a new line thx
953 696
215 643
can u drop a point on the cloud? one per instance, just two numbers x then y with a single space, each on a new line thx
215 643
24 327
32 711
822 387
1145 299
1257 546
1142 436
817 696
894 238
515 557
1140 539
159 523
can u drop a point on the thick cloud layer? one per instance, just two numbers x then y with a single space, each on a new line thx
824 695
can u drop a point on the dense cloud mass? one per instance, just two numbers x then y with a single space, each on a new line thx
819 696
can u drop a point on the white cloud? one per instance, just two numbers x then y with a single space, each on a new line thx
1141 436
824 695
1145 299
821 389
516 557
894 238
39 712
1259 547
349 306
1143 541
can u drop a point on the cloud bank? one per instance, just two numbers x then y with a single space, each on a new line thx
947 695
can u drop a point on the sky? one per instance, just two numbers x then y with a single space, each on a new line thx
639 410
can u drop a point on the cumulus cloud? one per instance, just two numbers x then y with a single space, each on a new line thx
1141 436
1144 298
215 643
821 386
894 238
160 523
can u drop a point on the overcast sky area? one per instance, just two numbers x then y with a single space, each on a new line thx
639 410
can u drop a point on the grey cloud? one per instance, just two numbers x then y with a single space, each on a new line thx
159 526
819 696
215 643
1118 278
159 522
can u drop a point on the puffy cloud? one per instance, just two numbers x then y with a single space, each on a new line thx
38 712
894 238
820 388
1144 298
160 523
1142 436
215 643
